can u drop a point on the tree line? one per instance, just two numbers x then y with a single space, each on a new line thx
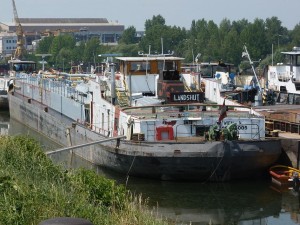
223 42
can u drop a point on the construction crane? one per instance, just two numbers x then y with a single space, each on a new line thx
20 49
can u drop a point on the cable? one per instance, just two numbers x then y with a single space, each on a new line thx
127 175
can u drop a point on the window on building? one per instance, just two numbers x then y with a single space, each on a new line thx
108 38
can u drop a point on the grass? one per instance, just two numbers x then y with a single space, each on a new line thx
34 189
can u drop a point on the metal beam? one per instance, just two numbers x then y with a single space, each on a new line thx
84 145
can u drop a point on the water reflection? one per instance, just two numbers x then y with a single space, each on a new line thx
213 203
198 203
241 203
16 128
4 123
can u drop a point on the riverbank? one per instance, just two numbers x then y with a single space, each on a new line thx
34 189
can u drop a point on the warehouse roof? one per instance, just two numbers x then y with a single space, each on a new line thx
62 20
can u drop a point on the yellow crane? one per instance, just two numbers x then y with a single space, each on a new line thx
20 49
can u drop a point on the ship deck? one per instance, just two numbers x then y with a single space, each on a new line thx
162 112
281 119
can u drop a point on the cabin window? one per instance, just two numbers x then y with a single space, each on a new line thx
28 67
297 60
102 119
168 65
206 71
293 60
201 130
108 119
171 75
139 66
87 115
288 60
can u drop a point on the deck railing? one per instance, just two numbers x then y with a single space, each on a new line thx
64 88
254 133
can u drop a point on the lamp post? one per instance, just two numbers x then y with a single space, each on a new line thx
63 64
279 35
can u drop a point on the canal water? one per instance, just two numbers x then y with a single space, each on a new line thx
232 203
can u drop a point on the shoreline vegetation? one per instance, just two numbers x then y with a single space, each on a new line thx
34 189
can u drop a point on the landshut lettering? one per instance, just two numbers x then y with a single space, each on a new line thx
189 97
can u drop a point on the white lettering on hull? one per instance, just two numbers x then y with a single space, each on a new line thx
187 97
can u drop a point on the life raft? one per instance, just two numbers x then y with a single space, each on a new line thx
164 133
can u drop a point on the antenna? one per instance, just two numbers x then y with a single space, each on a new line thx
162 46
156 55
43 62
109 56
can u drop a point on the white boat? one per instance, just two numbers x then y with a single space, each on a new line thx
4 87
238 88
7 81
148 124
285 77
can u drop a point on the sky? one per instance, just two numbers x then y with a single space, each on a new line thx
175 12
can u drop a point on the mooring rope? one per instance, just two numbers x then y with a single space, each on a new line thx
127 175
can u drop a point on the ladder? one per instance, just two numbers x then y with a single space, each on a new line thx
186 87
122 94
122 97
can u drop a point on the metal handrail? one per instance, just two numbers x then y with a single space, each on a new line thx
253 135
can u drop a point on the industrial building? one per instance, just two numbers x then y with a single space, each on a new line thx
8 43
82 28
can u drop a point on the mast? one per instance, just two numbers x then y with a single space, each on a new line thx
258 96
43 62
251 63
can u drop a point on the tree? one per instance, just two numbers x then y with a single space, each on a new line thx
59 42
275 32
200 43
91 50
155 29
156 20
232 47
224 28
177 36
44 45
224 42
295 35
128 36
125 49
68 41
64 56
214 43
254 36
77 53
240 25
193 29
